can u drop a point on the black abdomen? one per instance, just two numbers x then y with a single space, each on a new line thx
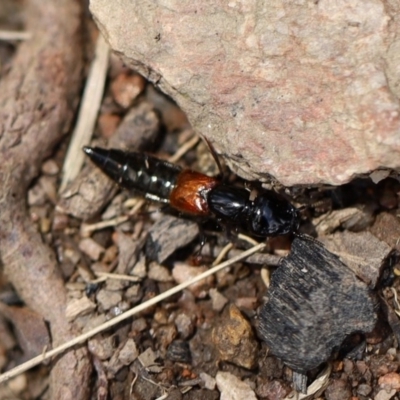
148 175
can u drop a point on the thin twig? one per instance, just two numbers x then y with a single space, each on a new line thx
82 338
88 112
87 229
184 148
266 276
120 277
222 254
9 36
247 239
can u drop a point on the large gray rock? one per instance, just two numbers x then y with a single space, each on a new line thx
306 91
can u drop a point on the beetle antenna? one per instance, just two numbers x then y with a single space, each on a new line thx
215 156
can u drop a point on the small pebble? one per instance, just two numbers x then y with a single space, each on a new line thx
148 360
36 196
160 316
125 355
49 185
209 381
128 250
272 390
338 389
250 303
18 384
128 352
108 124
132 292
382 364
183 272
60 221
124 306
364 389
139 269
185 325
348 366
385 395
139 325
94 321
159 273
387 228
234 339
390 381
126 87
218 300
102 347
165 334
115 285
50 167
108 299
72 254
232 388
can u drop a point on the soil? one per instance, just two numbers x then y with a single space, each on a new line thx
76 258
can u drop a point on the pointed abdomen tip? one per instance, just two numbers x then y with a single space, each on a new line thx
88 150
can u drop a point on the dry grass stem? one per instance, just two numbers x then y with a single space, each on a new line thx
88 112
82 338
184 148
121 277
9 36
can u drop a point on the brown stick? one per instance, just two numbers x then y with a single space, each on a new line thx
37 99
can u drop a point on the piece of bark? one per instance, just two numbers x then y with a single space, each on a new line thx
128 252
37 101
78 307
92 190
102 381
126 354
29 328
387 229
351 218
392 318
314 303
169 234
362 252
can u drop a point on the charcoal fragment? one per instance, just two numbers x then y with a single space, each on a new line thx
179 351
314 303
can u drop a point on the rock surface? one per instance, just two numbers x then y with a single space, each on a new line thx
306 92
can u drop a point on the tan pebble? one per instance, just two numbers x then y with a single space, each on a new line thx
234 339
390 380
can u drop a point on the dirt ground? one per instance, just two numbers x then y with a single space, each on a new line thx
77 254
